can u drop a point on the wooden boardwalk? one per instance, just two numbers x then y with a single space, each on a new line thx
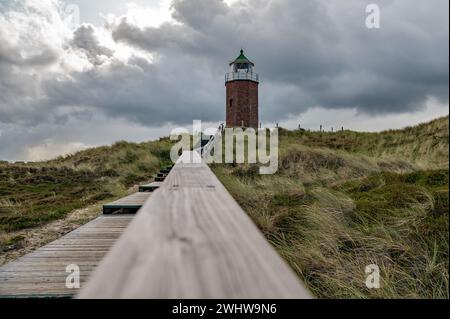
192 240
43 272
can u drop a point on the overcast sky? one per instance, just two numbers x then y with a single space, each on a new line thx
134 71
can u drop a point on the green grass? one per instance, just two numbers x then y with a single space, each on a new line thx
36 193
342 201
339 202
425 145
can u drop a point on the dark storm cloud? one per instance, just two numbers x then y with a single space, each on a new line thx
308 53
84 38
198 14
153 39
151 94
322 52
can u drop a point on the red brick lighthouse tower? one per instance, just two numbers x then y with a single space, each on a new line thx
242 93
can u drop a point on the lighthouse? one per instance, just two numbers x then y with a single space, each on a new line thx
242 94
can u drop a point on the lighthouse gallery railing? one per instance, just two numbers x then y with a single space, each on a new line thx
250 76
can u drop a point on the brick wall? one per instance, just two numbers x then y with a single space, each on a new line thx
242 104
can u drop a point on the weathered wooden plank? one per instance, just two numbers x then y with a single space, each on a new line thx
87 244
93 235
20 281
76 248
30 263
192 240
67 255
34 289
42 273
136 199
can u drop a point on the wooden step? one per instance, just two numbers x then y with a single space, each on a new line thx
127 205
150 187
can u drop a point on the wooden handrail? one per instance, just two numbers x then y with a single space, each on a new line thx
205 150
192 240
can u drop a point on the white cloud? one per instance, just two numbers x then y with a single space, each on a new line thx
48 150
353 120
149 16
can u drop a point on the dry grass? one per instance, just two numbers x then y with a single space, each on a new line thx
342 201
34 194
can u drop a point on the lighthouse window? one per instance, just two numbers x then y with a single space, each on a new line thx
242 66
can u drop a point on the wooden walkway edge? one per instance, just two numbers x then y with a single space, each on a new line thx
192 240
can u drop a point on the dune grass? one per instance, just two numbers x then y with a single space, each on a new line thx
32 194
339 202
342 201
425 145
